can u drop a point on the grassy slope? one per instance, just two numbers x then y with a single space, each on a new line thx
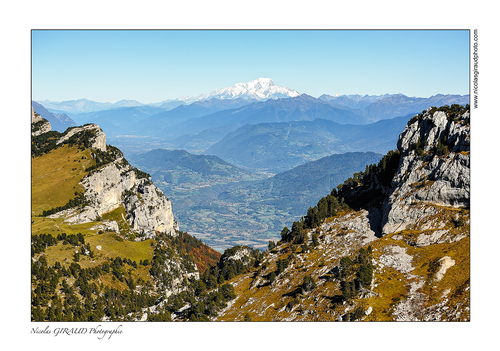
264 302
55 177
393 285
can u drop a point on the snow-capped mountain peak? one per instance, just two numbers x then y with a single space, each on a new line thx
260 89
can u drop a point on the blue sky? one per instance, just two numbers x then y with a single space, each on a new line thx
152 66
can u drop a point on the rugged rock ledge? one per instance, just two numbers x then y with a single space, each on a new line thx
419 196
98 140
426 176
39 125
116 184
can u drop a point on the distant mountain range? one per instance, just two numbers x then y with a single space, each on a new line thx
73 107
277 147
155 124
204 167
221 123
118 121
262 89
400 105
354 101
258 89
299 108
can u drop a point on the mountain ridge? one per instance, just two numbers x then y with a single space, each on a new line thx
302 107
104 244
260 89
58 121
337 264
276 147
390 243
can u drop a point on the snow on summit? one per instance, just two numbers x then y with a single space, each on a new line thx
260 89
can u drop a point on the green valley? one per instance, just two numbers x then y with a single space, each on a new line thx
225 206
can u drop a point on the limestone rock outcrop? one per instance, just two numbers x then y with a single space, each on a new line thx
105 187
427 175
116 184
241 253
151 210
39 125
35 117
98 139
407 219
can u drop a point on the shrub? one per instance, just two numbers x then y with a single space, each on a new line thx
442 146
271 276
358 313
281 265
308 284
345 266
348 290
227 290
271 245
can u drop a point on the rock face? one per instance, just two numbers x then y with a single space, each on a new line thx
151 210
239 254
39 125
116 184
106 186
99 138
426 176
35 117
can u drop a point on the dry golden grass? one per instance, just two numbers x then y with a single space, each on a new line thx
394 285
55 226
118 215
455 276
268 302
55 177
113 246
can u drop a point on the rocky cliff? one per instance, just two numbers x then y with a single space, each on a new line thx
102 233
116 185
112 184
434 169
389 244
39 125
394 244
98 138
